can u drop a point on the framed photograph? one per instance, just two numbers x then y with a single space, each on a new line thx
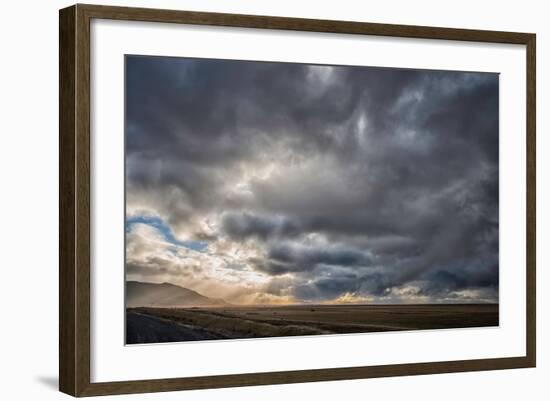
250 200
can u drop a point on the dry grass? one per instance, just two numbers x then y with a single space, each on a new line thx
250 322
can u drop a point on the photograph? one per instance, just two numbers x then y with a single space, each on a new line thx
275 199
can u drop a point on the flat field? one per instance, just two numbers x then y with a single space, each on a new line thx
156 325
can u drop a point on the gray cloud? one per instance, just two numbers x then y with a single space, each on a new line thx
245 225
345 179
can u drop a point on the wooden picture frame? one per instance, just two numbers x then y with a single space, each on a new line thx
75 206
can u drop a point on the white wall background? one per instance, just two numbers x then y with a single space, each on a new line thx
28 200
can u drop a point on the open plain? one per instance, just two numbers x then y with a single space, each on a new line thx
154 325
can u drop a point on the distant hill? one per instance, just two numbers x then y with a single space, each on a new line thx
165 295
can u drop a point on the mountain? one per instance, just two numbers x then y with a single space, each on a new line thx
165 295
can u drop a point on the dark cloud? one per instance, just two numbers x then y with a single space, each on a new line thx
245 225
313 255
350 179
286 257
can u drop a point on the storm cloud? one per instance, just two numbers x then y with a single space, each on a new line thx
313 183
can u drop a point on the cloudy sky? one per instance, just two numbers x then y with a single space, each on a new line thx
287 183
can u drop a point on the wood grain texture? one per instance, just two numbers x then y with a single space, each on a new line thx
74 206
82 194
531 201
301 24
67 295
300 376
74 199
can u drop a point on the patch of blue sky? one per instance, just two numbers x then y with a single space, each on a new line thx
165 230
